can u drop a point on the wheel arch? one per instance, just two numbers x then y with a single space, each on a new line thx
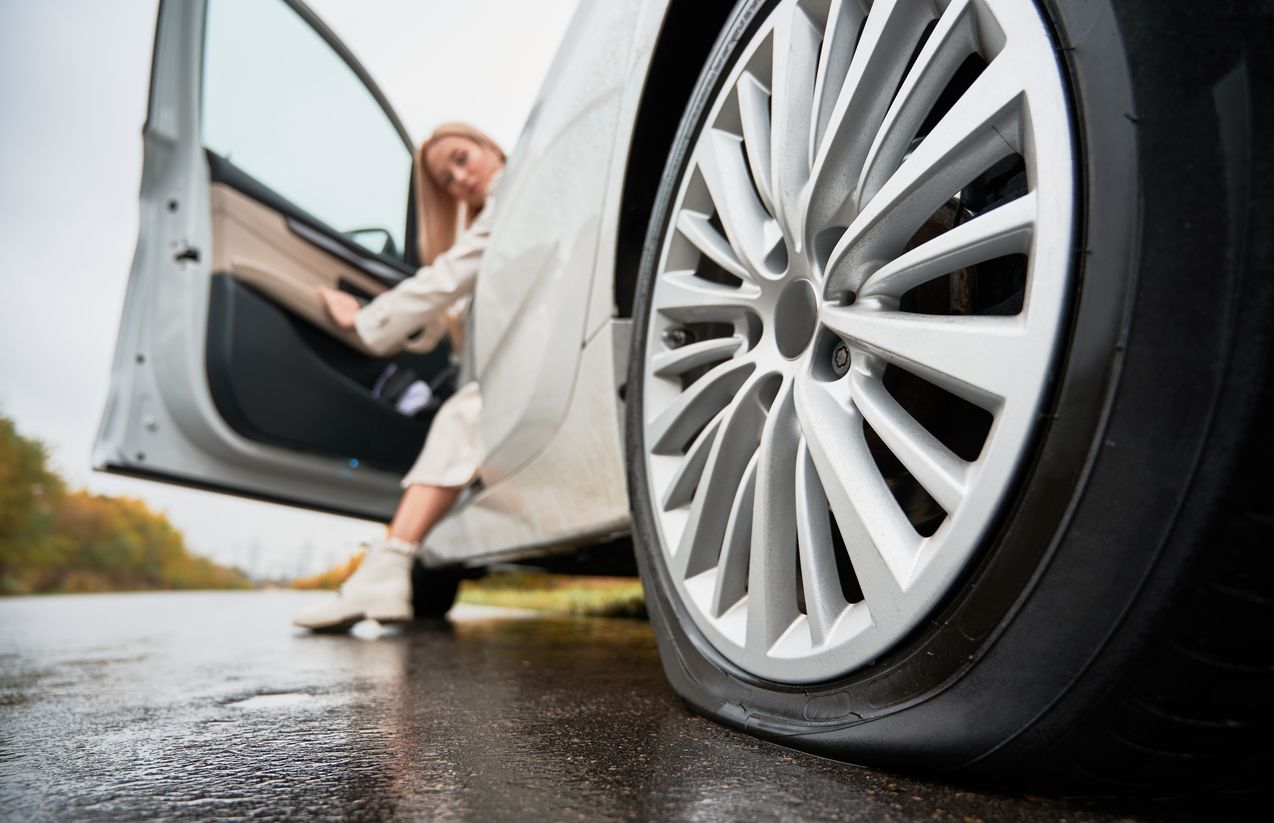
689 30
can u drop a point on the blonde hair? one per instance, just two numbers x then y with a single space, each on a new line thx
442 215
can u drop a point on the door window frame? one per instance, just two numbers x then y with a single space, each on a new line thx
225 171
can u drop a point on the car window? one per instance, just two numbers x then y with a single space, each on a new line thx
281 105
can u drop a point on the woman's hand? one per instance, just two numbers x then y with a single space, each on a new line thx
341 307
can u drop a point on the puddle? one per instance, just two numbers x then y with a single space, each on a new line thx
272 701
371 630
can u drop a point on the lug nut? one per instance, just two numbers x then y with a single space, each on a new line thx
676 337
840 359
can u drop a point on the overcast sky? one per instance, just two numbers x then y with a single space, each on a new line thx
73 85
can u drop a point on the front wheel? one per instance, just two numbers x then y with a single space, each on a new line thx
916 412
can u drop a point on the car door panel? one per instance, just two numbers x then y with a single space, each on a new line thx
279 369
228 372
255 245
276 379
387 269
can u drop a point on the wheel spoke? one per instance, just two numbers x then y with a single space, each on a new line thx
740 431
748 226
682 487
844 20
699 231
687 298
977 358
732 570
697 405
772 604
893 28
754 112
692 356
980 129
880 541
823 599
1001 231
954 38
937 468
796 42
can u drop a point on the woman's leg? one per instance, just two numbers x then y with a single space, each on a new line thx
420 508
381 586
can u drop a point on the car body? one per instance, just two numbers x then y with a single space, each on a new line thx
936 413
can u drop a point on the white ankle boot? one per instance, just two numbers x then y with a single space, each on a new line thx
379 589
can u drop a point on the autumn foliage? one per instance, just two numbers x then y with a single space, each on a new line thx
330 579
56 540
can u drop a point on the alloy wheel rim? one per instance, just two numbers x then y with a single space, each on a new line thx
856 308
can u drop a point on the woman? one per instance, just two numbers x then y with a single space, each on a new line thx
456 169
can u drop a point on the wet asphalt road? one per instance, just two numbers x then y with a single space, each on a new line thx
210 706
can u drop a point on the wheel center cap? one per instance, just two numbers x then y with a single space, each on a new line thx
795 317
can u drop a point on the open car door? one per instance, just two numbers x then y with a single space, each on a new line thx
272 165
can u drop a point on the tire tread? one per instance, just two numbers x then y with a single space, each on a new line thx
1198 697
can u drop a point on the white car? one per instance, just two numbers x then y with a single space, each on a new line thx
940 328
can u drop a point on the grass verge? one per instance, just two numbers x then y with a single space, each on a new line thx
561 593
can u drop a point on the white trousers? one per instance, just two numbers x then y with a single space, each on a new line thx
453 450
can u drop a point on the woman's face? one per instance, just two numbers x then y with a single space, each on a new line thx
462 167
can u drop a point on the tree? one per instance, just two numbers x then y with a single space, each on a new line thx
52 539
31 550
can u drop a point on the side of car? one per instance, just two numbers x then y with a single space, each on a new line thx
943 408
227 373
